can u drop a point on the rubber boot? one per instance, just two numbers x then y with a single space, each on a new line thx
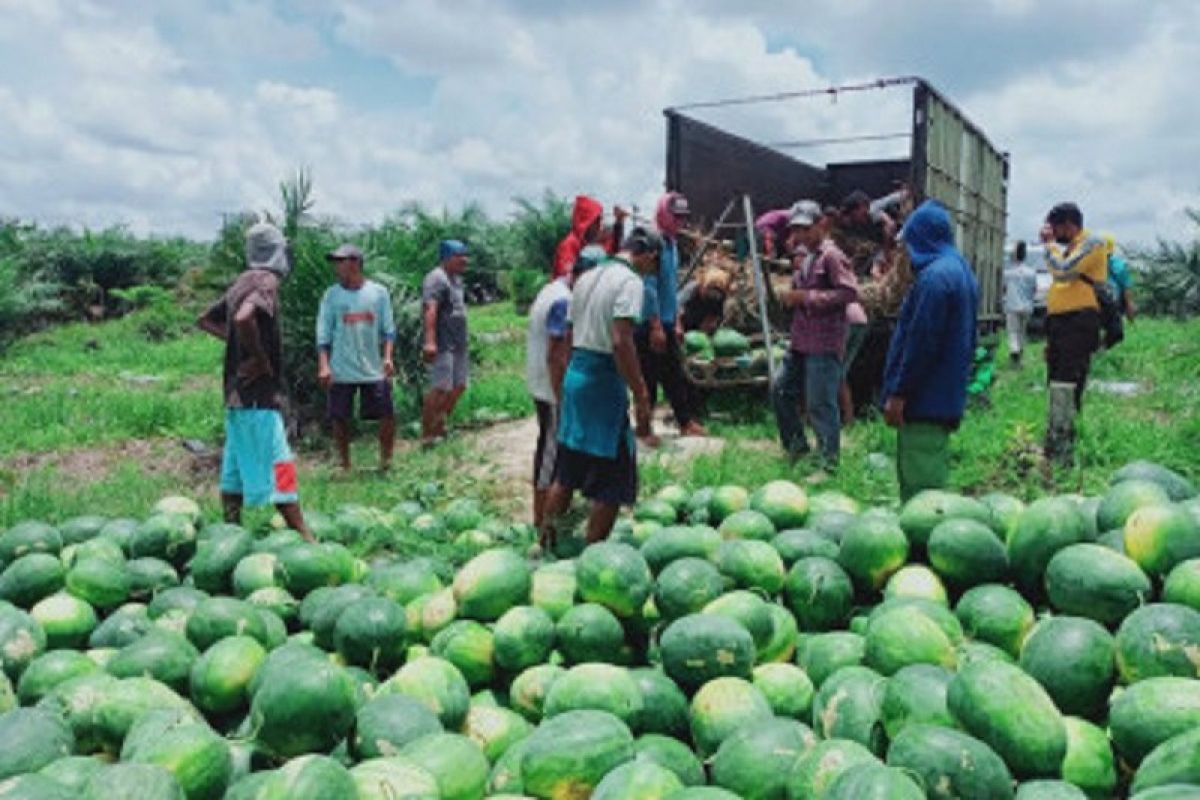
1060 428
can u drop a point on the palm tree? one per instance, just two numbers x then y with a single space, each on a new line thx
1170 274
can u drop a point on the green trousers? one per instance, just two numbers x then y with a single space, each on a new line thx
922 457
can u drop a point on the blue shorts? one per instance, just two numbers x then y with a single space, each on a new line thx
257 462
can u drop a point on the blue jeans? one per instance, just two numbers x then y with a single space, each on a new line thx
812 381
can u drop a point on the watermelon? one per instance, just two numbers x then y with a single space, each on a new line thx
49 670
495 729
121 704
490 584
197 757
874 782
73 772
1183 584
103 584
996 615
21 640
788 689
215 560
720 707
311 777
1073 659
455 762
302 704
1010 711
751 564
902 635
388 722
220 678
749 610
936 612
148 576
28 537
814 772
686 585
1175 761
797 543
75 701
30 578
849 706
1158 640
916 580
966 553
703 793
755 761
1045 527
568 755
505 777
217 617
701 647
1005 509
436 683
329 609
638 780
1089 763
819 593
747 524
149 781
8 695
672 754
66 620
1173 791
101 549
179 506
871 550
1125 497
664 705
615 576
959 764
527 692
278 601
676 542
590 632
30 738
726 501
728 343
171 537
1158 537
596 687
300 568
927 509
79 529
182 598
784 503
1176 486
656 510
437 612
1049 790
370 634
916 694
404 581
523 637
784 633
392 777
825 653
1090 580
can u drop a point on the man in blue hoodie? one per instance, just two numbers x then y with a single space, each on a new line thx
929 360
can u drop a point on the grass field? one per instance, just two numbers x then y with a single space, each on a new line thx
93 416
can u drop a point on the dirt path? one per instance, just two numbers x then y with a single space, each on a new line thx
506 456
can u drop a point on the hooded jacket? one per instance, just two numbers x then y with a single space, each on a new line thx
586 213
929 360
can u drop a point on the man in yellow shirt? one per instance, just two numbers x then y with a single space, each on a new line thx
1077 261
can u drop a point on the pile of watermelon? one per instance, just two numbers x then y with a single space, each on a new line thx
723 643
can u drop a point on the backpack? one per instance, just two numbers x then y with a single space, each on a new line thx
1110 312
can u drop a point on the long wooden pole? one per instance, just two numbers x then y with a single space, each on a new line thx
760 288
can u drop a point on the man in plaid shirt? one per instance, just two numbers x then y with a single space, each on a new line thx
824 284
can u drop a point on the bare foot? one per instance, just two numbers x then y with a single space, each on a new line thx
693 428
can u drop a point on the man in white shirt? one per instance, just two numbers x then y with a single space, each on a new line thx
596 450
1020 287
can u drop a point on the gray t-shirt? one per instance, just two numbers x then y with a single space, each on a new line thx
446 292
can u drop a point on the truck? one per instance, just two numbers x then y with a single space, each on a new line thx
947 158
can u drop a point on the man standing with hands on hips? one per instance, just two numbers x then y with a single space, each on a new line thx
355 338
445 342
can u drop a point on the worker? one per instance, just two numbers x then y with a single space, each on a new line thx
587 227
1020 288
444 324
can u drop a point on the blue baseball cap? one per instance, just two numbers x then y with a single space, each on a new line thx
449 248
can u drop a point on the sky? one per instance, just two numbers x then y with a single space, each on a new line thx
163 114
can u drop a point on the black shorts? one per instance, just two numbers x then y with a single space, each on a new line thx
546 453
1071 339
605 480
375 401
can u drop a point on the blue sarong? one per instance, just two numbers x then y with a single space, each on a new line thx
594 415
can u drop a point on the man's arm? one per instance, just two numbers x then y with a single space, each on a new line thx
625 354
557 358
325 325
429 350
1066 265
387 331
212 321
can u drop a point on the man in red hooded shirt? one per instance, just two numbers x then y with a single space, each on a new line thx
586 228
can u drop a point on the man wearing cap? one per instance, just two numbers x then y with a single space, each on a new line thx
659 334
257 466
1078 265
596 450
355 338
445 345
930 356
811 373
